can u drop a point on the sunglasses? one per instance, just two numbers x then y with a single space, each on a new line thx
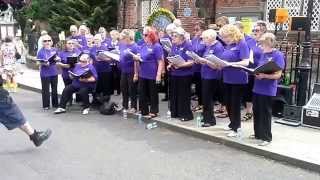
83 61
70 43
47 40
255 30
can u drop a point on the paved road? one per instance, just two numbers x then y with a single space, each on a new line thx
96 147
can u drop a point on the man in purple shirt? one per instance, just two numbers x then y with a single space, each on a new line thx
48 72
265 87
84 81
198 46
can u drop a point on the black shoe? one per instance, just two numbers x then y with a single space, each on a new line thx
208 124
38 137
185 119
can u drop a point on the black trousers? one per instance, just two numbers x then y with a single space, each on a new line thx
209 89
70 89
46 82
197 81
247 95
148 94
233 102
180 94
116 77
128 89
104 83
262 114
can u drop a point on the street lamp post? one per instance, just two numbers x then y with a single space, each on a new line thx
304 67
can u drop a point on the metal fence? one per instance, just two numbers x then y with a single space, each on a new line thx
293 56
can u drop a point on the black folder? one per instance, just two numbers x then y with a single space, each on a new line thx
267 68
72 60
86 73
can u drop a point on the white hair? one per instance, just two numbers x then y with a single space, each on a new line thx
210 33
177 23
170 28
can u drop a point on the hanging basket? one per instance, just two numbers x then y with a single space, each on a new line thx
160 18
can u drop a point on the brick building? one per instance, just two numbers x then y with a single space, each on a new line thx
133 13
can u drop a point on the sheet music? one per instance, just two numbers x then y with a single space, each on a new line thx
132 54
166 42
108 54
193 55
176 60
214 59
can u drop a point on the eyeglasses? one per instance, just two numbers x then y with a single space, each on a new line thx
49 40
256 30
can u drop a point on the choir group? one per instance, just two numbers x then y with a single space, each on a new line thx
218 60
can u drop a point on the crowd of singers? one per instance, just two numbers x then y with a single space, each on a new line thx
144 64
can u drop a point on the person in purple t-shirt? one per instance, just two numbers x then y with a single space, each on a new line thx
150 69
236 53
210 75
116 73
198 46
265 87
80 40
84 82
48 73
180 78
103 68
129 71
70 51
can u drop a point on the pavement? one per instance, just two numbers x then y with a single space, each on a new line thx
97 147
298 146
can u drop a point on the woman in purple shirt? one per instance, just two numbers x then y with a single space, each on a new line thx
48 73
180 78
129 71
236 53
84 84
210 75
265 87
198 46
151 65
102 66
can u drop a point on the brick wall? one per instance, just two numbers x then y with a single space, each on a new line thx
133 9
130 14
237 3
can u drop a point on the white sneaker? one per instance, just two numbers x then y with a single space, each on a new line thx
233 134
59 111
85 111
264 143
227 128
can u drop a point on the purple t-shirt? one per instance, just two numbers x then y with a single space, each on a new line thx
268 87
107 41
100 65
206 71
181 50
63 55
199 48
126 60
235 53
51 70
82 40
150 55
77 84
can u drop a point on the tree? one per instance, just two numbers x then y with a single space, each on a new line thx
60 14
